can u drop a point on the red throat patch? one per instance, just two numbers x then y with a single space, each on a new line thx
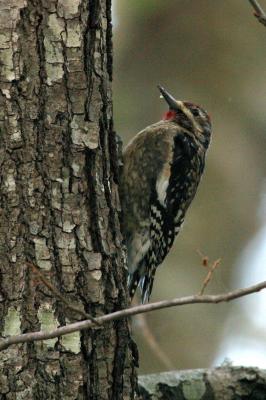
169 115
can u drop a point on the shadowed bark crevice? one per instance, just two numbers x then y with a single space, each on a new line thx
59 202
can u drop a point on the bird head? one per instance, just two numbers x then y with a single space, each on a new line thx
188 116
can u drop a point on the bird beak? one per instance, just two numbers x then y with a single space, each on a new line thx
170 100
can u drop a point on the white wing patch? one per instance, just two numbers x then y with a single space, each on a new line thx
161 187
162 182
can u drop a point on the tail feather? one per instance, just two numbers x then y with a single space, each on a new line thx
132 283
147 285
145 282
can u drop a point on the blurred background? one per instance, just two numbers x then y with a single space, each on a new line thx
213 53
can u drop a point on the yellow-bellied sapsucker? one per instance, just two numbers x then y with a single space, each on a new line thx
163 165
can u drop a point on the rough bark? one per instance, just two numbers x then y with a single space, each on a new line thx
59 201
224 383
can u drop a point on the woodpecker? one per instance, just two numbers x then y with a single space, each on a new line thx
162 168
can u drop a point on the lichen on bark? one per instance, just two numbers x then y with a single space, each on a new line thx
59 202
221 383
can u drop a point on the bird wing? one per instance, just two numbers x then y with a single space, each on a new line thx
166 210
162 197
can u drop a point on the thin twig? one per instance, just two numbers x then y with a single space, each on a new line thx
78 326
259 12
205 263
206 281
204 259
58 295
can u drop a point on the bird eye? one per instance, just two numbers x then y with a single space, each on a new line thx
195 112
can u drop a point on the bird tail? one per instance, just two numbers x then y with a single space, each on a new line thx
146 285
144 281
133 282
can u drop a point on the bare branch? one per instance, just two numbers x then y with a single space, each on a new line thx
259 12
78 326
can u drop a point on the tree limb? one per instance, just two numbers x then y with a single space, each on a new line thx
78 326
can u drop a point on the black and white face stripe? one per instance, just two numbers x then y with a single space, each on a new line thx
190 117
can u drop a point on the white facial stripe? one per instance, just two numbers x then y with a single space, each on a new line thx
189 114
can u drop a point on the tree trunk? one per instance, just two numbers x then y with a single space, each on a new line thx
59 201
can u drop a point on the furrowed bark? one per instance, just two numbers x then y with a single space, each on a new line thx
59 201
